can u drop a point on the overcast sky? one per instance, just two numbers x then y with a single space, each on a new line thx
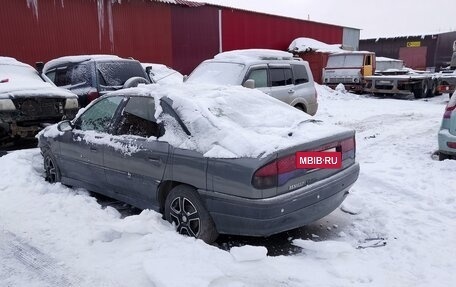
382 18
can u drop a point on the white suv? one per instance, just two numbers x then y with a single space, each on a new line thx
276 73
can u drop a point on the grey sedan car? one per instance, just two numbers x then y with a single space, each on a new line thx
204 162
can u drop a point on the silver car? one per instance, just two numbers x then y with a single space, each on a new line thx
275 73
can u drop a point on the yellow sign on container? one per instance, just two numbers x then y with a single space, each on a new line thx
414 44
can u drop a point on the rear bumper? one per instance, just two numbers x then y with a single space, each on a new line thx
445 137
264 217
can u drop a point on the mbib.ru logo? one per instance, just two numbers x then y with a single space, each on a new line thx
318 159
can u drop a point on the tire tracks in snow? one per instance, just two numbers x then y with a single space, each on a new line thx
21 261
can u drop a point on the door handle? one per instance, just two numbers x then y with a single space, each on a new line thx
93 149
291 91
154 160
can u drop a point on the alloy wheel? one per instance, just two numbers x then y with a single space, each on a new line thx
185 216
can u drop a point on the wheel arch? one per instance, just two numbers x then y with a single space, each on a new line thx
163 190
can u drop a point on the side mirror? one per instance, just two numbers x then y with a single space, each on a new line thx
39 67
148 69
65 126
250 84
185 78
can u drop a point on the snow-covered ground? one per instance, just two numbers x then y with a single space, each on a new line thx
400 220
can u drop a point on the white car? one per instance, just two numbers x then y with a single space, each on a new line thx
275 73
28 102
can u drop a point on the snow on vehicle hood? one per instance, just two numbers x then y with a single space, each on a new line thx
19 79
234 122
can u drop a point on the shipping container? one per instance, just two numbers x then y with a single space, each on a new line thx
317 62
245 29
418 52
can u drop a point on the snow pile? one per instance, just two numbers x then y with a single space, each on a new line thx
249 253
253 54
302 45
233 122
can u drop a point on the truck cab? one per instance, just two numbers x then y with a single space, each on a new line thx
349 69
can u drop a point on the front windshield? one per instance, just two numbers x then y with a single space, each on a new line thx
219 73
345 61
19 74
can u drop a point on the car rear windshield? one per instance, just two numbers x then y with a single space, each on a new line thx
219 73
338 61
118 72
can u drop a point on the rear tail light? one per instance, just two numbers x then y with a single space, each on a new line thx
348 145
268 175
92 96
451 144
450 108
4 81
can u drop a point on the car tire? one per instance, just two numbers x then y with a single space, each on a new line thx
134 82
51 169
184 208
443 156
430 90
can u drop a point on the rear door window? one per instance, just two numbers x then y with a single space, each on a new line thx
80 74
300 74
62 77
280 76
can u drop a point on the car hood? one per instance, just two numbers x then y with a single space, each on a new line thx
41 90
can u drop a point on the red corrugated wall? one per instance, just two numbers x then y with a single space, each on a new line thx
178 36
244 29
141 29
195 37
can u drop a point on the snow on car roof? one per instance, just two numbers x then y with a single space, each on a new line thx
77 59
233 121
248 55
311 45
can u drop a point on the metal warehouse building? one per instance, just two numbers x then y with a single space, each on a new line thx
428 52
177 33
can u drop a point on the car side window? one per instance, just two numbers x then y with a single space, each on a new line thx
99 116
138 118
280 77
51 75
260 76
62 77
80 74
300 74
